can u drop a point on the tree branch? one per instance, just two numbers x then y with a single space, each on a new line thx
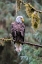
32 7
31 44
28 43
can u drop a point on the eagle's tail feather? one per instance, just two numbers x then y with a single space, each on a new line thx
18 47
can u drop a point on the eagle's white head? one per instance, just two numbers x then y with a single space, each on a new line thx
19 19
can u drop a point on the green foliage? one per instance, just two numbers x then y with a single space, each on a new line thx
24 59
1 4
3 33
38 37
29 54
33 55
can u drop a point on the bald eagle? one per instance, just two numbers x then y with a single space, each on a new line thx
18 32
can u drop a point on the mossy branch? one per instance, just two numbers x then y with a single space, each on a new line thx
31 44
32 7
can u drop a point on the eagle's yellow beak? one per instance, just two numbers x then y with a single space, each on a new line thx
22 19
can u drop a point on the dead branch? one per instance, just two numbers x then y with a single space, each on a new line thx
31 44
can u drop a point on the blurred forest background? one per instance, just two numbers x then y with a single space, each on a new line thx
29 54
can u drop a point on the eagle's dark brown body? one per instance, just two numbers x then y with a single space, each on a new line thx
18 31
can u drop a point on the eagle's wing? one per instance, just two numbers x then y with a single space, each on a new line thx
18 30
13 30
